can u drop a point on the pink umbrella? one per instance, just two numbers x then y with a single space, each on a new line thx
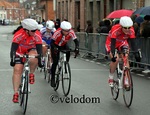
120 13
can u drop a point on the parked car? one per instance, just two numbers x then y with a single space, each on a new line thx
6 22
1 20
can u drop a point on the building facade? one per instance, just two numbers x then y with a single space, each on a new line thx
94 10
11 11
45 10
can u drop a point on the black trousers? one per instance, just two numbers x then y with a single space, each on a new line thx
55 57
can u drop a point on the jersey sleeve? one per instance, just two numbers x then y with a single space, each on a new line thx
38 38
17 38
72 34
113 32
132 34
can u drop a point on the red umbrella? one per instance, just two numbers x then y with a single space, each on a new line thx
120 13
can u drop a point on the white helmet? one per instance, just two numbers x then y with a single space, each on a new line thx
29 24
65 25
50 25
126 21
40 26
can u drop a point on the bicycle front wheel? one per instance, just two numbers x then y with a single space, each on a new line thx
115 88
66 78
57 76
23 92
127 88
49 68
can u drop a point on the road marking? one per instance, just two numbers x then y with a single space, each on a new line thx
140 75
90 69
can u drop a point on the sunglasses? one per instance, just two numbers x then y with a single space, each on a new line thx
66 30
32 30
126 27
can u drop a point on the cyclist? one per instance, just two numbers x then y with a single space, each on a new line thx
25 40
59 42
117 39
47 33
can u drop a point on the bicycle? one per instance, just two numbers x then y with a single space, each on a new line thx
47 64
63 73
24 88
123 80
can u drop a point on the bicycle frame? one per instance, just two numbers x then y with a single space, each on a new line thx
63 73
26 69
123 80
25 86
125 66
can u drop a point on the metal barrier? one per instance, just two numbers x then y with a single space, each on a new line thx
95 43
83 40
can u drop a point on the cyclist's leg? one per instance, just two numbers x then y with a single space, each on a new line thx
55 58
44 48
16 78
66 47
34 61
113 66
33 65
123 48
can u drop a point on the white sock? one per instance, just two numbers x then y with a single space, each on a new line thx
111 75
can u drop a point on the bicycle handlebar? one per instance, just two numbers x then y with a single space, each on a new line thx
27 56
70 50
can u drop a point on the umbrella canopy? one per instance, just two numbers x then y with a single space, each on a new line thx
120 13
143 11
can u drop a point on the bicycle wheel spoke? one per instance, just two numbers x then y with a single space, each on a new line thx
115 88
57 76
127 89
23 93
66 78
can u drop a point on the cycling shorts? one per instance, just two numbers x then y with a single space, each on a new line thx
47 41
21 60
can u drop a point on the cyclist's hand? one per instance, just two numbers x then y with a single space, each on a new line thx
55 50
113 59
40 64
12 63
76 52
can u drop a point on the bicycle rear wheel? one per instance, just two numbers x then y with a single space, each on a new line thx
57 76
115 88
66 78
23 92
127 88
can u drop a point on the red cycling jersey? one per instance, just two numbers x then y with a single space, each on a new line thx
25 41
61 40
121 38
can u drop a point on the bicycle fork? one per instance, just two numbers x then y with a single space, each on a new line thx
120 76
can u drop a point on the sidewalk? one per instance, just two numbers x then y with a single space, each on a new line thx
103 60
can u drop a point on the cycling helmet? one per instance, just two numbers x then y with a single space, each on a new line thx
40 26
50 25
65 25
126 21
29 24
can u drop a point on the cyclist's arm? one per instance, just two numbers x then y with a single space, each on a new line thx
76 43
53 43
14 47
39 49
113 44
